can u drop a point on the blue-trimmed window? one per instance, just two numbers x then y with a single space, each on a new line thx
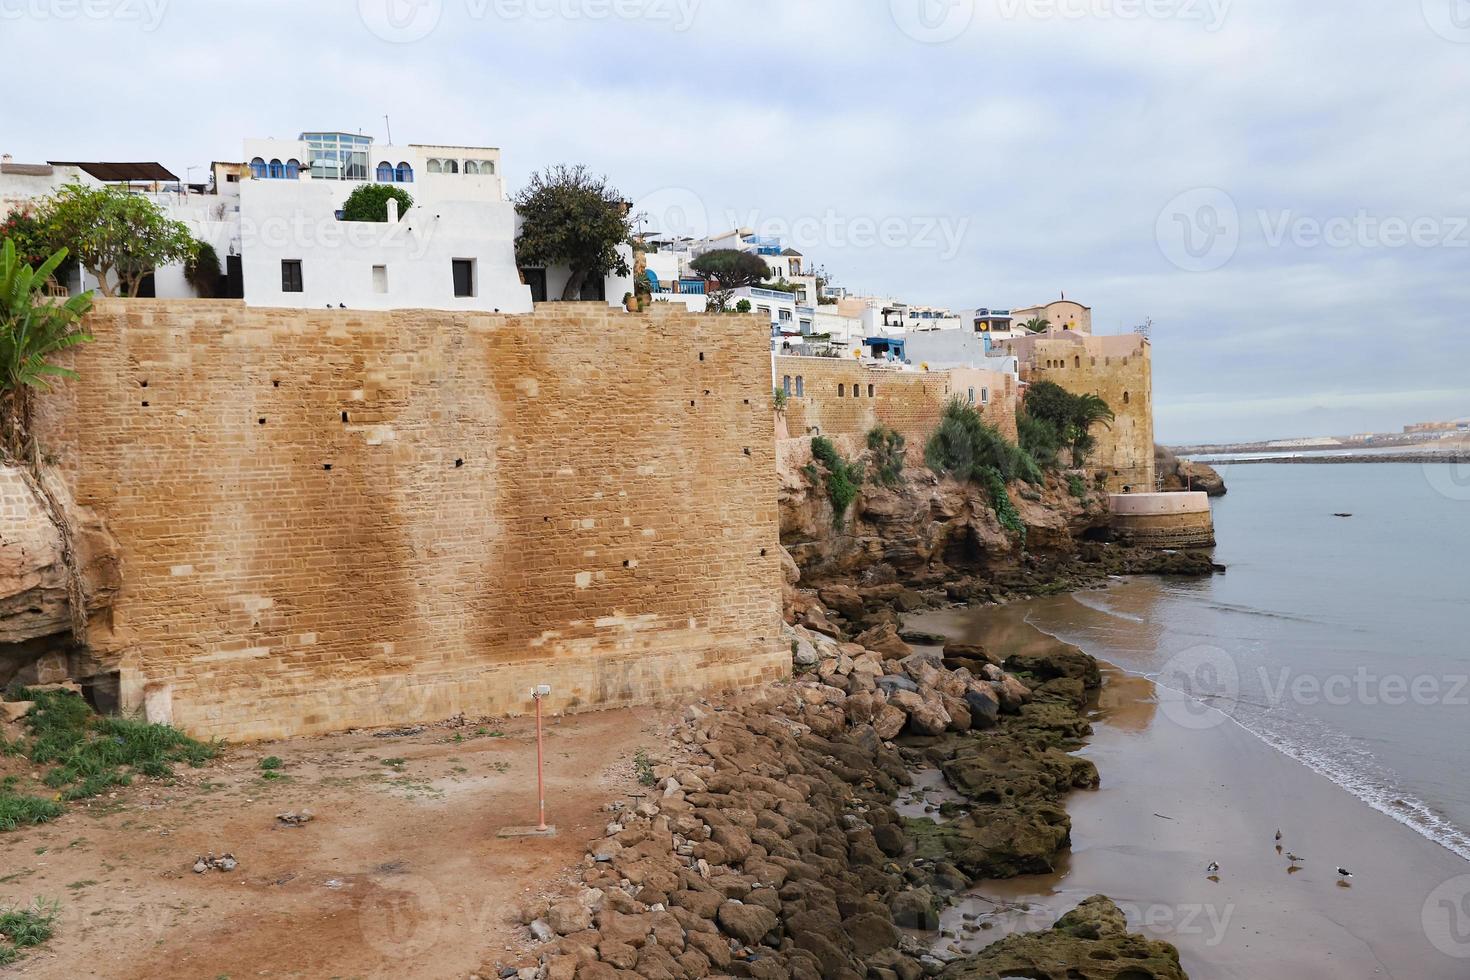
257 168
385 172
405 173
278 170
293 169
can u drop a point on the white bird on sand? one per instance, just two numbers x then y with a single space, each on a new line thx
1344 872
1214 867
1292 857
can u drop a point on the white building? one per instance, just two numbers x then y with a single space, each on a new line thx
274 221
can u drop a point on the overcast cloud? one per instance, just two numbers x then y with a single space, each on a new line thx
1283 186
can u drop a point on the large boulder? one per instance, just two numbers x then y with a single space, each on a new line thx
1091 942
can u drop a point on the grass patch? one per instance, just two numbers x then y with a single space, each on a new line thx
25 928
17 810
270 763
1076 485
90 754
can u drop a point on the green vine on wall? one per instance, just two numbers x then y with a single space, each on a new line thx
842 478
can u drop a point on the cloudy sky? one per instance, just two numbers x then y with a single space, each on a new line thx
1283 186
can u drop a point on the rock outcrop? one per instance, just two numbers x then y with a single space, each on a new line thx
769 846
34 604
1091 942
1183 474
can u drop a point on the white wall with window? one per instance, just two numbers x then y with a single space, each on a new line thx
449 251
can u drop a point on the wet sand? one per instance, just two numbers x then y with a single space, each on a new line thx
1182 788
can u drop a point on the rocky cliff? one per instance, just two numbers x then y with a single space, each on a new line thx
932 534
35 609
1183 474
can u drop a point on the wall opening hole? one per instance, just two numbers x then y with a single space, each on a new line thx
143 383
763 552
701 355
747 450
145 404
458 463
261 421
344 416
275 382
326 466
627 563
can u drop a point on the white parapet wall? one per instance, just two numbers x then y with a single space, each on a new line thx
1164 520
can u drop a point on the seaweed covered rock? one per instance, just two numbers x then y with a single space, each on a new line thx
1091 942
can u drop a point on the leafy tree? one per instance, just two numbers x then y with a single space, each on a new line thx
202 269
369 202
33 329
743 306
114 233
1037 324
731 267
571 217
1053 417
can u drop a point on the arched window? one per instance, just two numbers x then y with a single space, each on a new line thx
404 173
786 384
472 166
840 389
293 169
451 166
278 170
257 168
436 166
870 391
385 173
1125 398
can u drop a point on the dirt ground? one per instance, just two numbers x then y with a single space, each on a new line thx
399 874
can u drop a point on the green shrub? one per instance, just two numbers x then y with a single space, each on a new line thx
779 399
965 444
743 306
1000 501
270 763
369 202
1076 485
843 478
643 766
888 449
1040 440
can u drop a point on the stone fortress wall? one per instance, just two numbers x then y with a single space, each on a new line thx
840 398
339 518
1117 368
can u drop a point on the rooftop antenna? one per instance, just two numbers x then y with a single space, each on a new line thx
389 128
1146 328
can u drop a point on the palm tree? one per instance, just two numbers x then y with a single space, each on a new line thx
1037 324
33 329
1087 411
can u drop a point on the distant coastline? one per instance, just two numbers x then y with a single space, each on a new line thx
1349 456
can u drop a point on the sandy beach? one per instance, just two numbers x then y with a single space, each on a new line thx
1181 789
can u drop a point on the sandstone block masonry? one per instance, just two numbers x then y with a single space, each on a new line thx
335 518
